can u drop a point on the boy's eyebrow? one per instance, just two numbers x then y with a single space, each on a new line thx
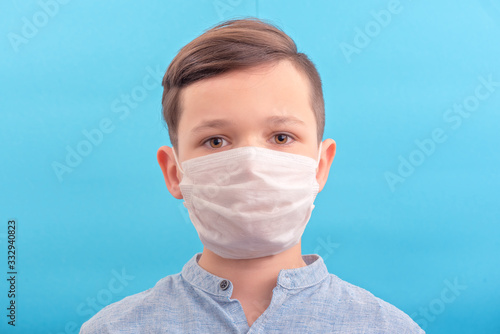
220 123
283 120
211 124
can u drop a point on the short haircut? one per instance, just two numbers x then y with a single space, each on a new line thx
233 45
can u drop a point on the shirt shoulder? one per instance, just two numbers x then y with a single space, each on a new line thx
363 312
127 314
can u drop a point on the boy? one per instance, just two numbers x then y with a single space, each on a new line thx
245 115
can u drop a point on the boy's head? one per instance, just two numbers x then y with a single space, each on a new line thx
242 83
234 45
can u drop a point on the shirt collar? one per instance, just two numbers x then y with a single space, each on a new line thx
296 278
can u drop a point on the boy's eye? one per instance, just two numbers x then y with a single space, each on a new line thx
281 138
215 142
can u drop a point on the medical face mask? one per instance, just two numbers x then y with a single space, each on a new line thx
249 202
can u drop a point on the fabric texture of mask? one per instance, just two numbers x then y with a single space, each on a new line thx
249 202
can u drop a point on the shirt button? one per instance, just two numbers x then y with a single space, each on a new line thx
224 284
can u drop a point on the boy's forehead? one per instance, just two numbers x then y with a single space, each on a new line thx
265 90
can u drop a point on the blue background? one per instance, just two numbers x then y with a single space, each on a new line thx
405 240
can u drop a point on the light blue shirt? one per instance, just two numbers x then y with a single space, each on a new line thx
305 300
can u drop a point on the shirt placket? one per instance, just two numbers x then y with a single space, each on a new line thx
232 307
277 300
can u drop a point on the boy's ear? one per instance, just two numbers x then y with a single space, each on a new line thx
328 149
170 171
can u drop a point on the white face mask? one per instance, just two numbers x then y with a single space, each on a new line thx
249 202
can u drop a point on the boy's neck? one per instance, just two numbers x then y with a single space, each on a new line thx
249 271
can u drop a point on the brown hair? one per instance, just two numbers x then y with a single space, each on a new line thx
231 45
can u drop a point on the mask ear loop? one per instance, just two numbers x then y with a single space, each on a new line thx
177 162
319 154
